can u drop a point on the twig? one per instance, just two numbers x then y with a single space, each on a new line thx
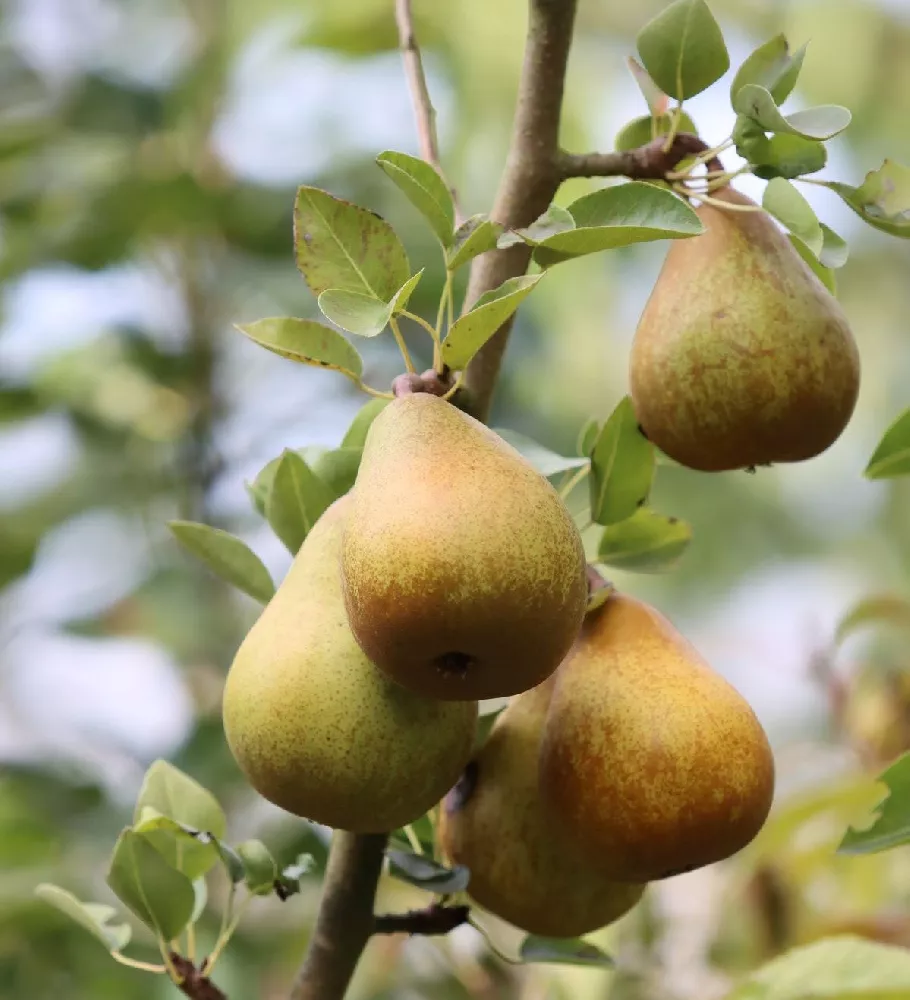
194 983
435 919
649 162
345 920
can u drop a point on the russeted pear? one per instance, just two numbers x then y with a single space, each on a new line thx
742 357
316 728
652 762
522 868
464 573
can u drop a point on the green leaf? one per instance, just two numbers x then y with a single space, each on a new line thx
834 248
475 236
878 609
341 245
472 330
260 866
770 66
355 312
171 793
306 341
547 462
94 917
683 49
841 967
823 122
161 897
296 501
824 274
563 951
423 872
231 861
655 98
288 882
587 437
402 297
425 189
892 819
892 456
336 467
185 848
200 899
622 467
882 200
619 216
227 556
782 155
646 542
638 132
787 205
356 435
556 219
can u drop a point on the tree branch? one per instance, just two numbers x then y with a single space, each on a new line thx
435 919
194 983
424 112
649 162
529 181
345 920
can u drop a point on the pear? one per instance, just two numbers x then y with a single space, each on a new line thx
464 573
742 357
522 868
654 764
316 728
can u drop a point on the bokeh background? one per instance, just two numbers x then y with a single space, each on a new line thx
149 154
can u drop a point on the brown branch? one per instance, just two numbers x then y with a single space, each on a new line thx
194 983
649 162
435 919
530 178
345 920
424 112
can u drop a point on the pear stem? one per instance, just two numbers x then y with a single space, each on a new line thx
345 920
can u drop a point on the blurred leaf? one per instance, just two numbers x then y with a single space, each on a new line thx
261 870
824 274
834 248
587 437
843 967
356 434
185 848
619 216
683 49
782 155
341 245
655 98
646 542
233 863
296 501
336 467
475 236
622 467
638 132
892 824
161 897
306 341
426 874
882 200
473 329
547 462
201 898
94 917
787 205
355 312
425 189
18 403
227 556
879 609
288 882
563 951
770 66
171 793
823 122
892 456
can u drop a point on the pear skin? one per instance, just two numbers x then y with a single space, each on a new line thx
464 573
742 357
654 764
522 868
316 728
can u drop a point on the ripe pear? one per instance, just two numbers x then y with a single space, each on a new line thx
464 573
316 728
742 357
654 764
522 867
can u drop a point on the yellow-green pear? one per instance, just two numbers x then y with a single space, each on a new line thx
523 868
316 728
464 573
742 357
652 762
